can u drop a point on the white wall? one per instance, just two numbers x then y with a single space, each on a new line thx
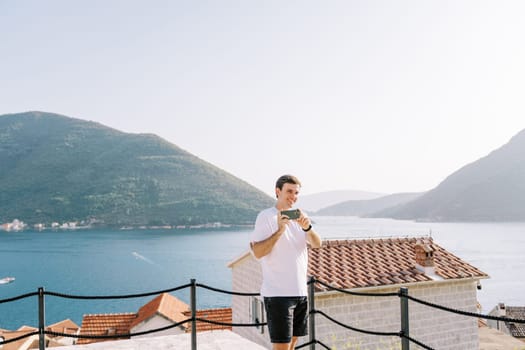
247 277
436 328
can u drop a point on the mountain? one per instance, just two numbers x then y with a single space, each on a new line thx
367 207
489 189
316 201
57 169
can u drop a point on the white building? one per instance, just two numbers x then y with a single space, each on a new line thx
375 265
517 330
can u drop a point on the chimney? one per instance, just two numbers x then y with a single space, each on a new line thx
502 310
424 256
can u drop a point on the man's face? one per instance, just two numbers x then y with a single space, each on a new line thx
287 197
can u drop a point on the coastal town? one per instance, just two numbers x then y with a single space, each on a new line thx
18 225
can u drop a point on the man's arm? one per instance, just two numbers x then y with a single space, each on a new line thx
264 247
313 238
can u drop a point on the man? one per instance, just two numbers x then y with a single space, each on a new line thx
280 244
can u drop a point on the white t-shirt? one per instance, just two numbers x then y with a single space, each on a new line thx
284 269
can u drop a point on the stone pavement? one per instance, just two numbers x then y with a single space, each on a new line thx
492 339
212 340
489 339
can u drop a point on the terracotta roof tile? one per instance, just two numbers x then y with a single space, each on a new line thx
65 326
218 315
165 305
362 263
105 324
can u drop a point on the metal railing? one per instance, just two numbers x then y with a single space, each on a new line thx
403 333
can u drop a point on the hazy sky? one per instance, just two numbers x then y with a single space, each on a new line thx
384 96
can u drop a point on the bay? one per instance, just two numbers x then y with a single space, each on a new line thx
107 262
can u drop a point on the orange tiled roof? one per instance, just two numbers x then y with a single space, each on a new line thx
65 326
30 342
105 324
8 335
348 264
218 315
165 305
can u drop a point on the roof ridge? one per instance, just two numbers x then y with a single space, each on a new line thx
112 314
357 240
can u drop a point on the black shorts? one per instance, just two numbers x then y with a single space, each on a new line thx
287 317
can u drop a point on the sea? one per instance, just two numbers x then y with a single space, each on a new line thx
124 262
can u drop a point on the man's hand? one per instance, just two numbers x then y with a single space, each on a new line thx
282 221
304 221
311 236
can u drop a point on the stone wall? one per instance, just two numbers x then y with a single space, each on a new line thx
433 327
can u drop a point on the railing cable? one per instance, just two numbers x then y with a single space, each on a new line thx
117 335
226 291
12 340
313 342
465 313
416 342
386 334
231 324
127 296
8 300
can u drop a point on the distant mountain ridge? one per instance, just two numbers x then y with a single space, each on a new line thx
367 207
56 168
316 201
489 189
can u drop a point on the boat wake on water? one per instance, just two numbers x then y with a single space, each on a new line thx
143 258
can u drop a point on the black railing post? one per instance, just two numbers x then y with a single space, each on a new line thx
193 300
311 311
41 319
405 330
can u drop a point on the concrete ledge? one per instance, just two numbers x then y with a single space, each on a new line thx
492 339
212 340
489 339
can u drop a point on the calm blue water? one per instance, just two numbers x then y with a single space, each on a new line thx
111 263
129 262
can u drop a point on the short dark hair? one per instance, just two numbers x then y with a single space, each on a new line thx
287 179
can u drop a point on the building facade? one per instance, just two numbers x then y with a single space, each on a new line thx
429 272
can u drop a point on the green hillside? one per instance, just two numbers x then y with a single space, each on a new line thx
56 169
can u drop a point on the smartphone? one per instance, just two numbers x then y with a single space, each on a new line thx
293 214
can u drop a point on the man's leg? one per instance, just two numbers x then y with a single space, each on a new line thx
285 346
279 313
281 346
300 321
294 341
